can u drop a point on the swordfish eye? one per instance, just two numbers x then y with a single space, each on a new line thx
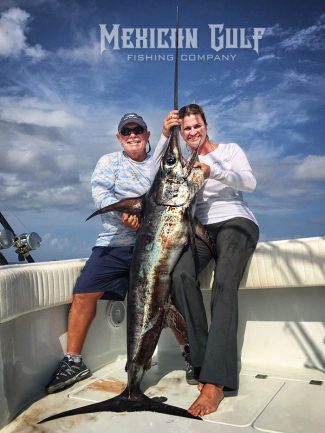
170 160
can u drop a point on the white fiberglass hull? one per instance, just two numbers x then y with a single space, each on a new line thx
280 341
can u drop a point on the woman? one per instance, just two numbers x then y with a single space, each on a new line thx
234 230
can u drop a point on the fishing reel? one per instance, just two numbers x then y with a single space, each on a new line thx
24 243
7 239
27 242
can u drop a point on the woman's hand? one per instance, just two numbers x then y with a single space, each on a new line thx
171 120
204 167
131 221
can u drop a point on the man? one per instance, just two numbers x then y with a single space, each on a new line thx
105 276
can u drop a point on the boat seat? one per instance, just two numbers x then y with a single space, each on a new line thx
277 264
35 286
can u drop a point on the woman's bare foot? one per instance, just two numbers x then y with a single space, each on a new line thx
208 401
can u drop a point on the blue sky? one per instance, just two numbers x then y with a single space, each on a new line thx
60 102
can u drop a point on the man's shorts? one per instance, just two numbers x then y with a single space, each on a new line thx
106 270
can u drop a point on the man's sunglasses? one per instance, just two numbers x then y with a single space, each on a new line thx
128 131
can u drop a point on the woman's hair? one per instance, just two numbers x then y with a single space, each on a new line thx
189 109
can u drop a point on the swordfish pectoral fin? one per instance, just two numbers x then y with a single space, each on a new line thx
153 323
132 206
202 233
176 321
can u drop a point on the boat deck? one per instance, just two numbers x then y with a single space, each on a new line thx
268 400
280 346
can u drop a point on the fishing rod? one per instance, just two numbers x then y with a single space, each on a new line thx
176 129
174 132
176 65
3 260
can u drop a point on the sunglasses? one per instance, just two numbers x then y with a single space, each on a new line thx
128 131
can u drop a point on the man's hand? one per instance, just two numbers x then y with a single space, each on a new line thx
131 221
204 167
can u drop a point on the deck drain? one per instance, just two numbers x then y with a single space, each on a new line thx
115 313
315 382
261 376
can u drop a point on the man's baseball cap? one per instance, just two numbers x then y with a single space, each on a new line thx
131 118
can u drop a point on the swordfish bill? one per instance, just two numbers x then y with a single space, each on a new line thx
166 230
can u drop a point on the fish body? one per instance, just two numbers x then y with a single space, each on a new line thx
167 228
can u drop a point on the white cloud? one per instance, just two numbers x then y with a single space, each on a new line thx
41 140
256 114
241 82
290 39
60 244
12 28
89 54
261 150
276 31
36 52
13 43
59 119
308 86
311 169
29 4
261 113
86 51
269 126
35 112
284 182
67 196
267 57
54 246
229 98
49 149
31 193
311 38
282 107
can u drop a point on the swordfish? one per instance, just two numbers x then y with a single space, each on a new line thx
167 228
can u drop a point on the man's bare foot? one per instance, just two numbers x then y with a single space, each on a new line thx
200 386
208 401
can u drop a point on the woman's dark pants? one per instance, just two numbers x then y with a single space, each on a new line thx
214 350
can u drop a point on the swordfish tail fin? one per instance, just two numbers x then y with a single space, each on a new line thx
125 403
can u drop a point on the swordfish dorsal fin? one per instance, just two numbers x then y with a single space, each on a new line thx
132 206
